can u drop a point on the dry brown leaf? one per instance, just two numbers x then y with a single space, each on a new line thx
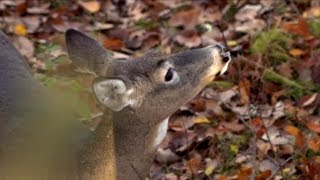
113 44
314 144
244 173
294 131
188 18
285 69
263 147
314 127
195 163
264 175
244 87
233 126
90 6
300 28
189 38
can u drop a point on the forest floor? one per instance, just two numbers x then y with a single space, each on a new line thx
260 120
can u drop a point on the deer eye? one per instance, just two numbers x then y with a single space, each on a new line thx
169 76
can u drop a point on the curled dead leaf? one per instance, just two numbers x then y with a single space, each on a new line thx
90 6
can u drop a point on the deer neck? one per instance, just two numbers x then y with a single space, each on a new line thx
122 147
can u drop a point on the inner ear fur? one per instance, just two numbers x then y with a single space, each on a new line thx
112 93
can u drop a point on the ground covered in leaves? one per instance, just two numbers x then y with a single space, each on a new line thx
261 120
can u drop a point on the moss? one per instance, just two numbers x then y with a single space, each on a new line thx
268 41
314 27
146 24
296 89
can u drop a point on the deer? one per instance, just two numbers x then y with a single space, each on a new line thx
139 96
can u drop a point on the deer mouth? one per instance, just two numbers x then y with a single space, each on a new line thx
220 61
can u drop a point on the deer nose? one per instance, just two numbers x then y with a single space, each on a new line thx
222 48
226 57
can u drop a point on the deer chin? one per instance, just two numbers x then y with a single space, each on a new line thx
218 66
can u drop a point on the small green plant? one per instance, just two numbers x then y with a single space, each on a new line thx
146 24
273 43
314 27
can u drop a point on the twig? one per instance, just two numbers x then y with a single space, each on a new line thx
134 169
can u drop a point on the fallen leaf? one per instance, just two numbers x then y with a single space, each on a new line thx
41 9
32 23
314 127
251 26
314 144
310 100
188 18
296 52
264 147
267 165
225 96
248 12
264 175
25 46
199 120
285 69
234 148
195 163
232 43
244 173
20 30
300 28
312 12
189 38
294 131
233 126
275 137
244 88
90 6
165 156
113 44
211 165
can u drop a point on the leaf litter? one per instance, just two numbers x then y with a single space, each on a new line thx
261 119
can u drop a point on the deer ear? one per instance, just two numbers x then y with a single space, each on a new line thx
112 93
86 52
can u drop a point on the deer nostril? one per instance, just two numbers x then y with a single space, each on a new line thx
225 58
